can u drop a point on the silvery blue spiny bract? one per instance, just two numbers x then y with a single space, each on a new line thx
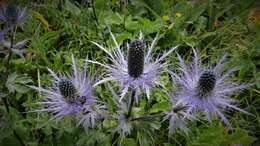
206 90
135 69
72 95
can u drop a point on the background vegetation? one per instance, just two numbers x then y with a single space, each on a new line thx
58 28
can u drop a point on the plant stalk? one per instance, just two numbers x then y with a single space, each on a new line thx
97 21
148 117
7 71
131 102
7 66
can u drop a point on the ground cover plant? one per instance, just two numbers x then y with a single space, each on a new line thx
130 73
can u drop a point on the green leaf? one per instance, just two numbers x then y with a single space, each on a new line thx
216 135
5 125
161 106
10 141
109 123
113 18
129 142
17 83
239 137
196 11
143 24
246 65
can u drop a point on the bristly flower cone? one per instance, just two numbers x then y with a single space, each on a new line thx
136 58
206 83
67 90
11 13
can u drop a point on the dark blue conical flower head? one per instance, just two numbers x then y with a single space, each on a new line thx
67 90
206 83
136 58
12 15
206 89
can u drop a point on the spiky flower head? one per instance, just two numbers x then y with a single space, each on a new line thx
135 69
135 58
12 14
206 89
72 95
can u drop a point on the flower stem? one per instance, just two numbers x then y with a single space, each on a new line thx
19 138
10 52
157 115
60 4
131 102
7 66
7 70
97 21
148 117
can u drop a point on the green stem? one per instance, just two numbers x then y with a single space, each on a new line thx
97 21
60 4
19 138
156 115
7 66
7 70
131 102
148 117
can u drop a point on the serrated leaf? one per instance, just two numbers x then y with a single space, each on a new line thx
24 80
20 88
17 83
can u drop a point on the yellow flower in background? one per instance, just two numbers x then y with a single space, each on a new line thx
165 18
178 14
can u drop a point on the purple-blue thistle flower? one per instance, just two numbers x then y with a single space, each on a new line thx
72 95
12 15
135 70
206 90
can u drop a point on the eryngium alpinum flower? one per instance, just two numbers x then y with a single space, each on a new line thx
135 69
12 15
72 95
206 90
